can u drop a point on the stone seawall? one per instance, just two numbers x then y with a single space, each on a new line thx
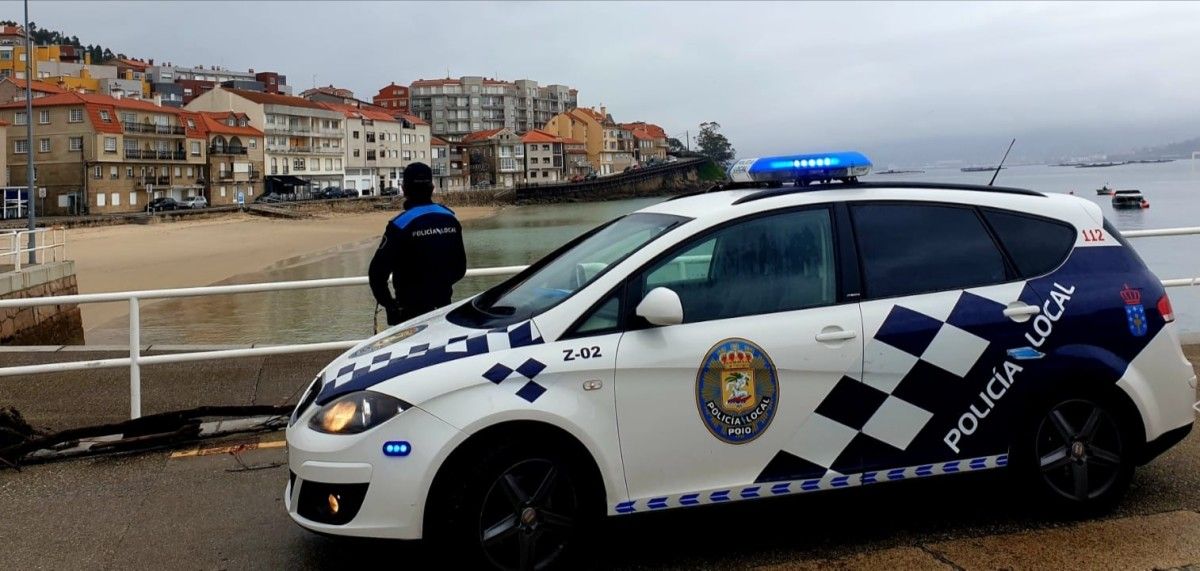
42 324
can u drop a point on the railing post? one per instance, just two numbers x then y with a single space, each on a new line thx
135 353
17 251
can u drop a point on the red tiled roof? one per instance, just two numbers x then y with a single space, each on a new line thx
138 65
438 142
540 136
586 112
4 123
353 112
481 135
214 122
40 86
274 99
94 103
410 118
573 142
645 131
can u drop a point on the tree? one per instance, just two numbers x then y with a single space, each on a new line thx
674 146
714 145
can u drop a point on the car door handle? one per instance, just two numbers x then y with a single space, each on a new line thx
836 335
1021 312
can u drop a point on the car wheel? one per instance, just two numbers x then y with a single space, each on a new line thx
515 510
1078 455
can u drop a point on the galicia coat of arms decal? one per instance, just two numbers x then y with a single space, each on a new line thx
736 391
1135 312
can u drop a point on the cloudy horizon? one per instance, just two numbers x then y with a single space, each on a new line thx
906 83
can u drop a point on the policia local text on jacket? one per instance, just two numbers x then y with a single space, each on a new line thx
422 250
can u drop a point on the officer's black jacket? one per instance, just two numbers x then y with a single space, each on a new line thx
422 249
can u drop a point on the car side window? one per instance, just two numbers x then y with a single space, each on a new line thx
1036 245
779 262
908 249
603 319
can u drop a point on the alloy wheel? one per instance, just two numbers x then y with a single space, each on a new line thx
1079 450
528 516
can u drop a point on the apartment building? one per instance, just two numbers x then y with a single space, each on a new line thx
333 94
609 147
449 164
544 157
100 154
495 157
575 158
236 154
305 142
649 141
458 107
393 98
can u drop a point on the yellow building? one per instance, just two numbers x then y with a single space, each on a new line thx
12 59
609 147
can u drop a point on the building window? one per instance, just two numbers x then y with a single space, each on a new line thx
133 198
110 145
129 174
116 199
76 115
253 143
354 134
532 174
100 198
98 172
356 152
178 170
195 148
337 164
44 146
328 164
44 117
114 173
408 155
190 172
76 143
128 117
422 154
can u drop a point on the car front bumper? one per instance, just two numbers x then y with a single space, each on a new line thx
374 495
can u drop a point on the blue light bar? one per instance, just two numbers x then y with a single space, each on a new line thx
396 448
810 167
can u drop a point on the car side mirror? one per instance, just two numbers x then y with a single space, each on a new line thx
661 307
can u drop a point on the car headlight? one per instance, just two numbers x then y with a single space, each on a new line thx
388 340
356 412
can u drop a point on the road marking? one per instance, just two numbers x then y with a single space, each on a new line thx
234 448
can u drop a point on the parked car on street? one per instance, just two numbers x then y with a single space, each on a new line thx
590 176
269 198
331 192
194 202
390 191
163 203
755 342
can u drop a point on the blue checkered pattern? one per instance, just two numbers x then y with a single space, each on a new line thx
367 371
911 363
529 369
827 482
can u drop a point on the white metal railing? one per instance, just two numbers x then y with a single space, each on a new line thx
49 244
135 359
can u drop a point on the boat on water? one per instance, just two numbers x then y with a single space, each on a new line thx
1101 164
1104 190
1129 199
1151 161
979 169
900 171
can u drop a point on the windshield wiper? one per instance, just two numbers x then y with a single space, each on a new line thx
492 310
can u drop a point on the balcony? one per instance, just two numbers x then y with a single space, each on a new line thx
255 175
288 130
152 155
227 150
151 129
225 175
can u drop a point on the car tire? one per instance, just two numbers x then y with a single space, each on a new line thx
1076 453
515 507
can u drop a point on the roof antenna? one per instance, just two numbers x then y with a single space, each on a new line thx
1001 165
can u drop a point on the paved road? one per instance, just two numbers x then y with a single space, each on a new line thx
224 511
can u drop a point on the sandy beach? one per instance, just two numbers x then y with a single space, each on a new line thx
196 253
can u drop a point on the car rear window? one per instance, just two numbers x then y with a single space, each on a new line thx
909 248
1036 245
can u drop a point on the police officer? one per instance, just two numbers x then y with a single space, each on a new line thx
422 250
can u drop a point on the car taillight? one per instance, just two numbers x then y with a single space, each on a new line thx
1164 309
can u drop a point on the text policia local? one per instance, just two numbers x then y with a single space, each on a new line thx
1005 375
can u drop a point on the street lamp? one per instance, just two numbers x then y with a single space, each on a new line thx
29 205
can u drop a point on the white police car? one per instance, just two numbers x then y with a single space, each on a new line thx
751 343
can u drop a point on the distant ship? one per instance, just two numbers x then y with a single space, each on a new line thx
1096 165
1151 161
979 169
900 171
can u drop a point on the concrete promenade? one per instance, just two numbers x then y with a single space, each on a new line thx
218 505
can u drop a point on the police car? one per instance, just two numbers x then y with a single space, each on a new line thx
808 333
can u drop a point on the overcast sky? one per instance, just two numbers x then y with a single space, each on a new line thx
904 82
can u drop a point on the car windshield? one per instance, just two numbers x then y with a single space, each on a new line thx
558 277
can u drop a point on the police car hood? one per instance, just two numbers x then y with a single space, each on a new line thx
415 346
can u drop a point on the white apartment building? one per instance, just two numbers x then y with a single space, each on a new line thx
305 142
